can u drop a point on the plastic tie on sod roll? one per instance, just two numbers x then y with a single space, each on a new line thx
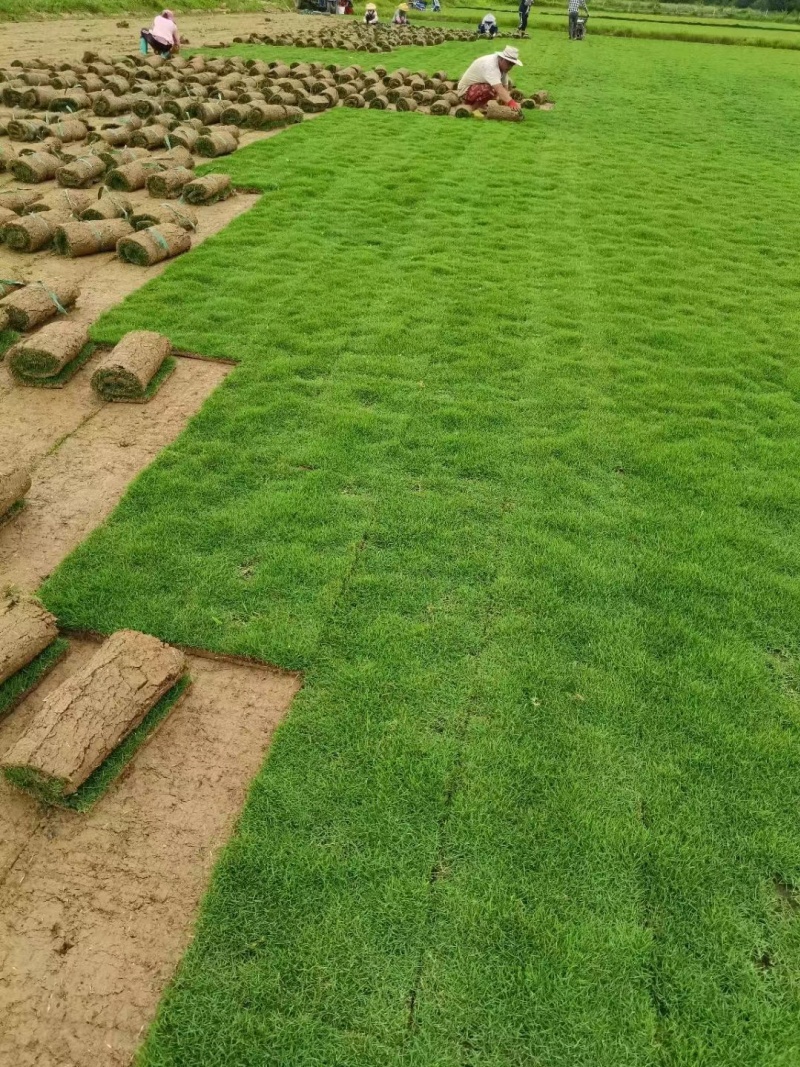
10 281
54 298
159 238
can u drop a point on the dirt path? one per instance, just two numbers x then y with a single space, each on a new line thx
97 909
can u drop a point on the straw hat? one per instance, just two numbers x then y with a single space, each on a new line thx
370 7
510 55
404 7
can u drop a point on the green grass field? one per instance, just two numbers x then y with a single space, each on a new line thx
509 469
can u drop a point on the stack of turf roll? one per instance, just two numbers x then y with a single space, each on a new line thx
168 184
50 356
153 245
32 305
29 233
88 238
134 369
208 189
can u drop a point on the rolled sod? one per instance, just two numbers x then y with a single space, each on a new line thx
6 155
378 103
175 157
34 304
69 130
184 136
406 103
35 167
113 136
355 100
208 189
147 215
20 200
26 628
74 100
81 723
6 215
44 357
153 245
87 238
108 104
149 137
83 172
169 184
131 176
126 373
108 206
120 157
37 97
219 143
29 233
15 481
461 111
19 685
27 130
499 112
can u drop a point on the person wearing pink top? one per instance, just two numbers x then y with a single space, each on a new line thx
163 36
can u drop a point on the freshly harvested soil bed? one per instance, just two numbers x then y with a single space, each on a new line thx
15 481
102 449
91 713
26 629
48 352
87 949
129 368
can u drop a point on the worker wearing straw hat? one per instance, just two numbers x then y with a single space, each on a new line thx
487 79
401 16
371 15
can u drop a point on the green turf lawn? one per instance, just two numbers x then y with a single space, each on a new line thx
509 469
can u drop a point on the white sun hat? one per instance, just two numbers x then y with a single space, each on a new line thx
511 55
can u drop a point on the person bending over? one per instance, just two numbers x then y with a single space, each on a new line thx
487 27
574 8
487 79
163 36
524 11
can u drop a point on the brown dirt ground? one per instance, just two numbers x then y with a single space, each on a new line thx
68 38
96 909
102 448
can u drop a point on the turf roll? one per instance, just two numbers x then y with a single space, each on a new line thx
88 238
499 112
6 215
169 184
154 245
406 103
143 106
175 157
219 143
35 167
27 130
108 104
378 103
184 136
113 135
108 206
21 200
6 155
34 304
460 111
26 629
149 137
83 172
179 106
37 97
48 352
147 215
131 176
208 189
127 371
119 157
355 100
210 111
85 719
15 481
74 100
29 233
440 107
69 130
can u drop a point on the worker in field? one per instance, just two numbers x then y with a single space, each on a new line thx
524 11
163 36
487 79
401 16
371 15
574 8
487 27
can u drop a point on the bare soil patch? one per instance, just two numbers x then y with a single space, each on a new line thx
103 447
97 909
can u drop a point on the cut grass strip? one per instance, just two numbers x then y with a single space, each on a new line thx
50 791
15 689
